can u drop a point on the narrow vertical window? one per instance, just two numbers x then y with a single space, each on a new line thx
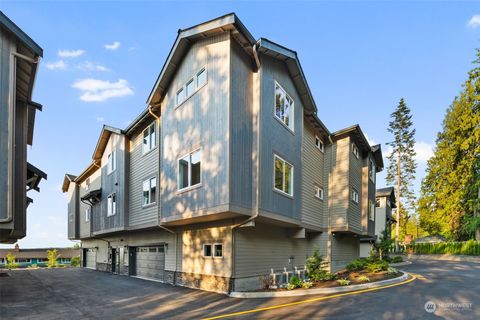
87 214
355 151
149 138
354 195
201 78
283 176
112 162
149 191
190 88
371 170
189 170
319 144
111 205
180 96
371 210
319 192
284 106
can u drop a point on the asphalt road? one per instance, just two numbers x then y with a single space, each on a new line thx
453 287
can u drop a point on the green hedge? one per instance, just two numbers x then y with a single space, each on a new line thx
470 247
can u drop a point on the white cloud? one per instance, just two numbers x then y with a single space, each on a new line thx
57 65
424 151
112 46
474 21
70 53
95 90
92 66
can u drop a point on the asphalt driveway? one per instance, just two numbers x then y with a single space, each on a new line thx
453 287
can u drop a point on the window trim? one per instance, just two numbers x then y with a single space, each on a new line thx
197 88
149 191
203 250
322 192
189 187
291 129
356 199
371 210
154 124
321 145
87 214
283 179
371 170
114 208
113 163
355 150
212 250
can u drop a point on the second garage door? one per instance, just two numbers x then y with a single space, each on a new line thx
91 256
150 262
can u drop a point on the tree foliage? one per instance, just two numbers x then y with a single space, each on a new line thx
11 264
403 151
52 256
449 191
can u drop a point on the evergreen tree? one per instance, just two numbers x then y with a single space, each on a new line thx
449 195
401 163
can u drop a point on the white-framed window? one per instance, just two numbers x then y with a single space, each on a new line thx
111 205
87 214
282 176
42 260
149 191
207 250
389 203
189 170
284 107
192 85
319 192
149 138
87 184
371 170
354 195
212 250
377 203
319 144
23 260
112 161
355 151
371 210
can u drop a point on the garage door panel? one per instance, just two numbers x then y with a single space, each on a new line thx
150 262
91 257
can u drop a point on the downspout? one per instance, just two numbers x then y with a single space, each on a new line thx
23 57
257 191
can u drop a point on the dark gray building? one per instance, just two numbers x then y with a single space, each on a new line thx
19 58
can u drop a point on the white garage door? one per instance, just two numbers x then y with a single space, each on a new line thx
91 256
150 262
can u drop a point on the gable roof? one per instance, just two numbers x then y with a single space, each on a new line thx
12 28
103 140
387 192
66 181
186 37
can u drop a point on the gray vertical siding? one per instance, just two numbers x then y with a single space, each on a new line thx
72 207
183 131
20 171
95 184
356 210
112 183
313 175
241 128
277 139
142 167
7 45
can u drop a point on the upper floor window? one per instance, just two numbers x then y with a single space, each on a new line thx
354 195
371 170
149 191
87 184
283 176
377 203
284 106
189 170
192 85
87 214
112 161
111 205
371 210
149 138
319 144
319 192
214 250
355 150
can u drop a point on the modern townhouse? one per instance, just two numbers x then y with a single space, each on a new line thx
19 58
385 203
227 174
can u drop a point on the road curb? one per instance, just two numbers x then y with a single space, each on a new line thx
444 257
306 292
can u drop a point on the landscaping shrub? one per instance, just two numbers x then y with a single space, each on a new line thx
325 276
470 247
396 259
296 281
357 265
307 285
290 286
343 282
363 279
392 271
377 266
11 264
52 256
75 261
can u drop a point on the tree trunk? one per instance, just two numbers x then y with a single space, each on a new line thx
397 226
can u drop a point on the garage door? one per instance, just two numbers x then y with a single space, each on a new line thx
150 262
91 256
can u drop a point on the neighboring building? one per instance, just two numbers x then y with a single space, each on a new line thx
227 174
27 257
19 57
385 202
431 239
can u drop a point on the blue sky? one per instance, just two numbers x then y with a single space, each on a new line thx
102 58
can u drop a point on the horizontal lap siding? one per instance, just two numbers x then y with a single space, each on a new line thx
339 190
345 248
313 163
261 248
142 167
